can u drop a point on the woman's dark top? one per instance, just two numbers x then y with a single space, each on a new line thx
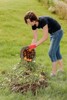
53 25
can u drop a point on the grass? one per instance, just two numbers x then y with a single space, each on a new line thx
14 34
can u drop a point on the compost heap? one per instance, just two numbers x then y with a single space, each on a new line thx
24 77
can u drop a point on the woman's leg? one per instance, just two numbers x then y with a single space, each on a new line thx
60 65
52 54
54 67
55 41
59 59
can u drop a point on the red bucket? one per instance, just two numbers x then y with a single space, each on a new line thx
27 54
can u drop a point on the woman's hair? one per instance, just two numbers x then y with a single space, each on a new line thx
30 15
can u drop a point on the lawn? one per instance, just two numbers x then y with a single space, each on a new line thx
14 34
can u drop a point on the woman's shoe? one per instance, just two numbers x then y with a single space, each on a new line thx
52 75
60 71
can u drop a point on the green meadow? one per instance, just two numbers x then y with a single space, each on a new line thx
14 34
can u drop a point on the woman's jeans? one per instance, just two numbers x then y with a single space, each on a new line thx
54 50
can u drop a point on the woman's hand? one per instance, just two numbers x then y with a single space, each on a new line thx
32 46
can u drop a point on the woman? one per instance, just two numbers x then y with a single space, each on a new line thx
51 26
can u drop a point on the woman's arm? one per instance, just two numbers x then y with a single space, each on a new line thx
35 35
44 38
45 35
